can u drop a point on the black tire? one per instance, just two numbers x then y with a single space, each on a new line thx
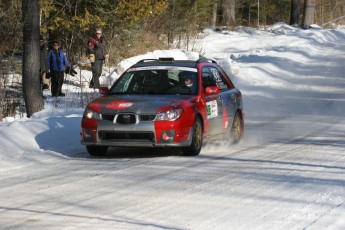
236 129
195 147
96 150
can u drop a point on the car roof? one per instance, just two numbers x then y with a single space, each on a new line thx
171 62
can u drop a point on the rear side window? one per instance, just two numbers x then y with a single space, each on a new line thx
219 78
212 77
207 78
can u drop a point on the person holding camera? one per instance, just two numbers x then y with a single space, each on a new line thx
96 52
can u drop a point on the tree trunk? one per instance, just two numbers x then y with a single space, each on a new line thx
228 16
31 57
214 15
294 17
309 13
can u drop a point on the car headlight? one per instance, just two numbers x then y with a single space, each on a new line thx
91 115
170 115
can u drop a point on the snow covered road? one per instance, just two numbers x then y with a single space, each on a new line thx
285 182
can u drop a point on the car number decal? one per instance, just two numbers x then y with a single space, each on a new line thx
212 109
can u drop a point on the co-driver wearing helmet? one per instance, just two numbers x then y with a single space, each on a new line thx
187 78
188 82
185 82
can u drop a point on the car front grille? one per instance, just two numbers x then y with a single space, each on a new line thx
121 118
125 118
147 117
108 117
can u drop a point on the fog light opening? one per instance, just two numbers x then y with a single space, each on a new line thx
87 135
168 136
165 137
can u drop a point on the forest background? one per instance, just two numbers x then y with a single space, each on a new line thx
131 27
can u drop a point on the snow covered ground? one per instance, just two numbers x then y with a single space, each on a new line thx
287 173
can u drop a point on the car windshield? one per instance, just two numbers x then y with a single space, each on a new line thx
157 80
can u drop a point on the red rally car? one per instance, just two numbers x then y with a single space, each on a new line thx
165 103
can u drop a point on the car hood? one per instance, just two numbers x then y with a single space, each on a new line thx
141 104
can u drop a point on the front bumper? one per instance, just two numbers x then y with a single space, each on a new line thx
143 134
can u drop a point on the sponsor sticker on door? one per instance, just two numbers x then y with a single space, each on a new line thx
212 109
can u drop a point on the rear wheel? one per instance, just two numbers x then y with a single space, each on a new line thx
236 129
96 150
195 148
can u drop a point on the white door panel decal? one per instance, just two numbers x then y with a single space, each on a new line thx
212 109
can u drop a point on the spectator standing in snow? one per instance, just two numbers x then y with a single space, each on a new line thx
56 63
96 52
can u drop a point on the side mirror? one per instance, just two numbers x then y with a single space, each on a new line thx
103 90
212 90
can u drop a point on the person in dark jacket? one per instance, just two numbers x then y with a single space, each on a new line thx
56 63
96 52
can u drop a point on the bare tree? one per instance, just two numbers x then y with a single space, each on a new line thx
309 13
294 17
31 57
228 7
214 14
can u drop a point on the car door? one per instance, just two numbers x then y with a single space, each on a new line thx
228 93
222 106
214 104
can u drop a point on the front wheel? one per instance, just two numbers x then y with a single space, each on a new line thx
96 150
195 148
